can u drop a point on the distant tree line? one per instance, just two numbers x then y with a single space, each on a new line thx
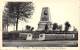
57 27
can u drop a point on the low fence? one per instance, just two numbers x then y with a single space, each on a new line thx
40 35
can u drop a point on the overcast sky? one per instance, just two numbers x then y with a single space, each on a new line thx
60 11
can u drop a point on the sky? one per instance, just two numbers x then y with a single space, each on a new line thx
60 11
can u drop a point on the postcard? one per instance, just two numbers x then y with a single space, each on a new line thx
39 24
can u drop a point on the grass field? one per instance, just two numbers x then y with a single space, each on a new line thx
73 43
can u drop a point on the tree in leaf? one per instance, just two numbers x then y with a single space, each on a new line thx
67 26
6 20
19 11
55 26
32 28
28 27
60 27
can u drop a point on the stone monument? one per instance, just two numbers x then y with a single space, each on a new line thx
44 20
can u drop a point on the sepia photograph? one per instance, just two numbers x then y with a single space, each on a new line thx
40 24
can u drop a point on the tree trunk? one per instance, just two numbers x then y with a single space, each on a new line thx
17 24
14 27
7 27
